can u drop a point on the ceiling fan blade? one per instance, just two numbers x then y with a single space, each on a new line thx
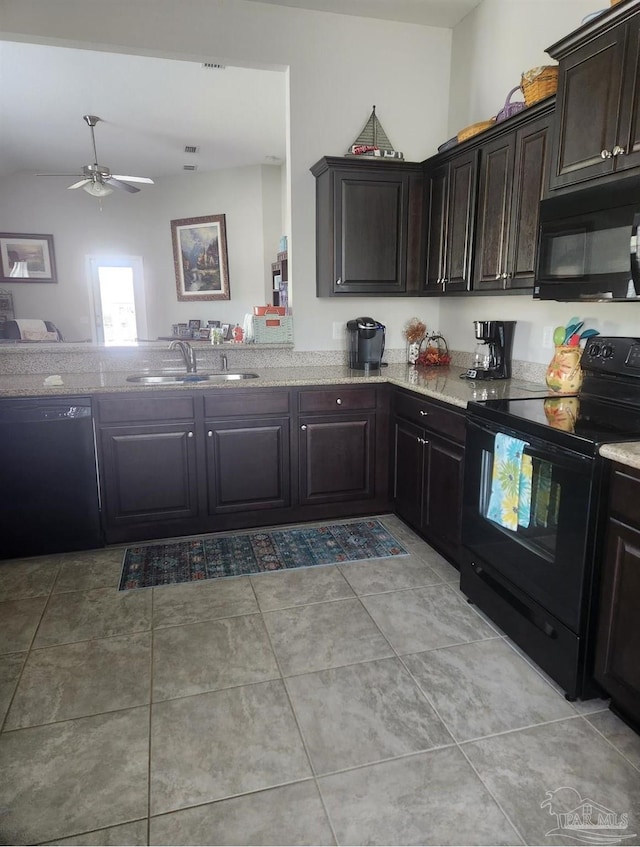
134 178
119 184
79 184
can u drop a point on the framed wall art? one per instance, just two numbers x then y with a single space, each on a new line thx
26 258
200 258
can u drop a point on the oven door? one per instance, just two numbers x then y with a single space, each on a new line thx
546 556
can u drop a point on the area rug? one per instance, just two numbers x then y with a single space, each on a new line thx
215 556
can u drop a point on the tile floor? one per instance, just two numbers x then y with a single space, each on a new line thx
360 704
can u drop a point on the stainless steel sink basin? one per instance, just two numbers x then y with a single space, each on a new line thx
160 379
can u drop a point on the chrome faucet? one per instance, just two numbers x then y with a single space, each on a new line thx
188 354
223 360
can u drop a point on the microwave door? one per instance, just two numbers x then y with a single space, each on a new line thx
635 253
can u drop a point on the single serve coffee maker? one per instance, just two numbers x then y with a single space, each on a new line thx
492 359
366 343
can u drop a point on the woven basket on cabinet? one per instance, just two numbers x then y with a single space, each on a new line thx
474 129
539 83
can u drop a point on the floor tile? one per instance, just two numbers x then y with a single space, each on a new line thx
76 776
125 835
206 656
483 688
324 635
98 613
566 762
90 569
191 602
439 565
619 734
212 746
588 707
431 798
84 678
292 814
425 618
297 587
363 713
394 574
21 578
19 620
10 669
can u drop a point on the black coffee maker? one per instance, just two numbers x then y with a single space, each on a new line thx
492 359
366 343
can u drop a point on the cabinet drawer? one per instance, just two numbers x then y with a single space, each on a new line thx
625 494
229 402
431 416
129 408
336 399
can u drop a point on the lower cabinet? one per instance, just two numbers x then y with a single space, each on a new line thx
428 444
179 463
617 666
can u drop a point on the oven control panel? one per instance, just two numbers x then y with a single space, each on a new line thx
612 355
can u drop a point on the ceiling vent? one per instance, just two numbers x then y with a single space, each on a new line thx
189 167
213 66
190 148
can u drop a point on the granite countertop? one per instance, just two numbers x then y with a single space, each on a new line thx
440 383
625 454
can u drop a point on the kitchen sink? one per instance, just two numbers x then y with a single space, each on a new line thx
160 379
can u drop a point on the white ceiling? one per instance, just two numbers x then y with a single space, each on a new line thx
151 108
442 13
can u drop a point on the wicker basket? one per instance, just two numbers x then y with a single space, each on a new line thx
475 129
272 329
539 83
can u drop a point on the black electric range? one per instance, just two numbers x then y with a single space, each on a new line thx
533 563
606 410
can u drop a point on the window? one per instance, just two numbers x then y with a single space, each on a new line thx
117 296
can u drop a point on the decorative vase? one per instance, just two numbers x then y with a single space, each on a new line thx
413 351
564 374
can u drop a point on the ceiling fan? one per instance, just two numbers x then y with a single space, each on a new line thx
98 179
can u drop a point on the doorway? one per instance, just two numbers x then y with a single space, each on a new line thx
118 300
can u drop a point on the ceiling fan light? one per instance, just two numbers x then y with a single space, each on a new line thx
97 189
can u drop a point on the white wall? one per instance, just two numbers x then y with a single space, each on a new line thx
339 66
250 199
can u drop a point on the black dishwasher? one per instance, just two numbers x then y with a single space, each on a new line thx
49 499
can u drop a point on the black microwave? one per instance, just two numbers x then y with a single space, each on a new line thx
589 244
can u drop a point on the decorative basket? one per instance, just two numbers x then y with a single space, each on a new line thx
510 109
272 329
475 129
273 310
447 145
435 354
539 83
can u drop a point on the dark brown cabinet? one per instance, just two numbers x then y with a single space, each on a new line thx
368 226
247 452
513 175
337 445
597 132
451 204
428 460
617 666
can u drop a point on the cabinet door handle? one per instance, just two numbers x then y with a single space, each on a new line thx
303 427
505 276
423 414
423 441
605 154
339 402
339 281
618 151
444 280
189 435
210 434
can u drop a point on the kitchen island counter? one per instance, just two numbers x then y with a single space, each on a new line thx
441 383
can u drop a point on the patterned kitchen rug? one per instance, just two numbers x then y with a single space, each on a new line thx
214 556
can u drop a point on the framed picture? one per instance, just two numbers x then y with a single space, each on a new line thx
26 258
194 324
226 331
200 258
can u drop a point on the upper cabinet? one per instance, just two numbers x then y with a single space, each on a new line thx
451 204
513 172
597 129
482 207
368 226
